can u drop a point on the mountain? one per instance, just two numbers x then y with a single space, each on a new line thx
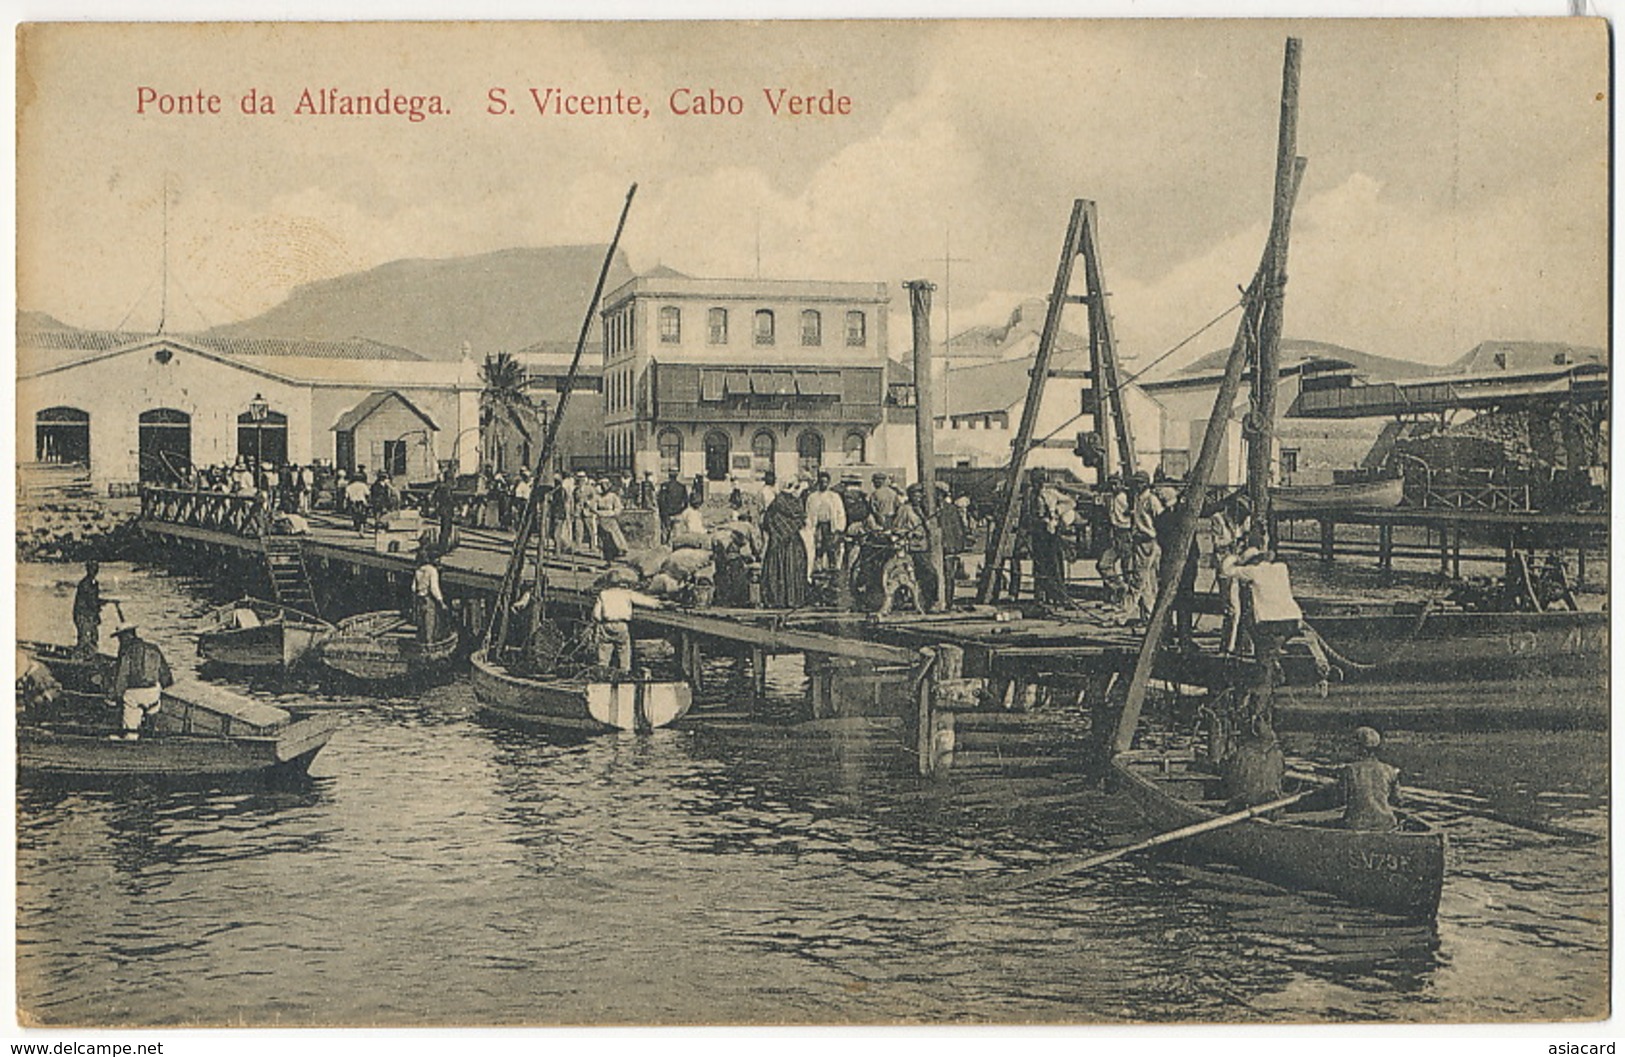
503 301
1295 351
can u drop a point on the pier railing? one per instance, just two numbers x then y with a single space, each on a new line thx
239 515
1431 489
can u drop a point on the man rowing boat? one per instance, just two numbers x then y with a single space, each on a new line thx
1368 786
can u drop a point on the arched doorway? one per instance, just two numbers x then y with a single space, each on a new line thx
854 448
62 435
810 453
165 444
263 438
717 450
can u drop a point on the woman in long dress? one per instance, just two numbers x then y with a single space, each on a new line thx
784 565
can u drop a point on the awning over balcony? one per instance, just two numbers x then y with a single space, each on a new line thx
719 383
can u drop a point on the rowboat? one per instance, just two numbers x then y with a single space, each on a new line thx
1411 642
1355 495
199 731
577 704
1399 873
77 673
251 633
383 647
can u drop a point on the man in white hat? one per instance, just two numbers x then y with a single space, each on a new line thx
612 617
140 679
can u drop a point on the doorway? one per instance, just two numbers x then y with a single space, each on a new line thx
717 451
165 445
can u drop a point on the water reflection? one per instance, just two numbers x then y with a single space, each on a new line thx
445 868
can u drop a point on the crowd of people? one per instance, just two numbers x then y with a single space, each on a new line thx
815 529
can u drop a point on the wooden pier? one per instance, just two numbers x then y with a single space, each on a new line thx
982 659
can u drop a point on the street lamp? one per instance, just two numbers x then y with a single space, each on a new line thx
258 412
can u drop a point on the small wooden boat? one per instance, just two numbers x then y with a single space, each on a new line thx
200 731
1412 642
578 704
1399 873
384 647
77 673
1356 495
251 633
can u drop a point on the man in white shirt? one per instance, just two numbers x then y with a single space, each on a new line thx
826 513
356 495
1276 616
691 522
612 617
427 602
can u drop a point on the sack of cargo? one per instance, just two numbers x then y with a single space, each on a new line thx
682 539
649 560
685 562
663 585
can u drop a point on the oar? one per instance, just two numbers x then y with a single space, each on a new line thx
1466 806
1063 869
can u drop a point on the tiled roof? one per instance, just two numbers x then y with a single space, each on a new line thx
358 414
107 340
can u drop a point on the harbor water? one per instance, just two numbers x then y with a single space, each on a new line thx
437 868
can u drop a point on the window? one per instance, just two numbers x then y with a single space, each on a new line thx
812 328
671 451
671 325
717 319
1289 462
810 453
395 458
764 326
853 449
857 329
761 450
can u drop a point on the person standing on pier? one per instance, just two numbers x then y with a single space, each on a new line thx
609 506
1147 554
646 491
671 500
586 511
444 507
784 565
884 503
521 492
1368 786
428 604
911 530
87 610
139 680
355 497
1114 561
826 513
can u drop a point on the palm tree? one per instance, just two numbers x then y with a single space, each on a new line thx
504 405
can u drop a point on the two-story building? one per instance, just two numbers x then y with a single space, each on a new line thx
733 377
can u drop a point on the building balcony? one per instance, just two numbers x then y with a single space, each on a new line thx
671 412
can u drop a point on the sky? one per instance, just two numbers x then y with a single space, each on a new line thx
1456 190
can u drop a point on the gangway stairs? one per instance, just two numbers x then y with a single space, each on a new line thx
290 579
